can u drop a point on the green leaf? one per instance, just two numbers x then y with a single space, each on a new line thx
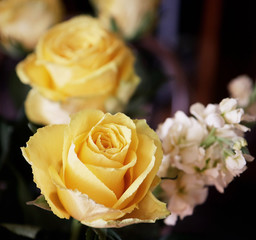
112 235
40 202
101 233
90 234
22 230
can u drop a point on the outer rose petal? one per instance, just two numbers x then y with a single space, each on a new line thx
38 107
144 172
79 205
38 146
30 72
149 210
143 128
139 187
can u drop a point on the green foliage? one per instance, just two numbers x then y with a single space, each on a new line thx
40 202
101 234
22 230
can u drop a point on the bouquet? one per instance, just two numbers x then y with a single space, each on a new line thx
104 141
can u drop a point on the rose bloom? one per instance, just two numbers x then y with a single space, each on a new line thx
131 17
77 64
24 21
100 169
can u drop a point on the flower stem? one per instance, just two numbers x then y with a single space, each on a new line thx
75 229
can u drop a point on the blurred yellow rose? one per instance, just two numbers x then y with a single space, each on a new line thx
132 18
77 64
100 169
24 21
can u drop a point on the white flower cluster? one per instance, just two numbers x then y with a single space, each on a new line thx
207 149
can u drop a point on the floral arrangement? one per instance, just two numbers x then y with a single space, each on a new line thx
91 162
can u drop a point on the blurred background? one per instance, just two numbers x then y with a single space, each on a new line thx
199 46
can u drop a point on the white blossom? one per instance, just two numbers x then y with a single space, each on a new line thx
184 194
203 150
241 88
236 163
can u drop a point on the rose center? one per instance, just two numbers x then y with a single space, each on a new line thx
102 141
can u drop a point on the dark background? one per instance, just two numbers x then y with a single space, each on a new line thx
211 42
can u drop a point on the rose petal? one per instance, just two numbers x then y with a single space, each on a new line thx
122 119
79 205
90 157
88 85
149 210
78 176
42 111
140 172
117 136
81 123
111 176
30 72
38 146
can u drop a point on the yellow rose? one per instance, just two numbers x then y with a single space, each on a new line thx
132 17
24 21
77 64
99 169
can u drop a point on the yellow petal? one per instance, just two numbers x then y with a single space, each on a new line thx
60 74
79 205
76 104
143 128
142 173
125 61
110 140
31 72
156 152
78 176
41 153
113 178
149 210
88 156
97 83
43 111
80 123
122 119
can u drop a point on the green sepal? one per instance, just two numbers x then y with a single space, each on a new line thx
40 202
